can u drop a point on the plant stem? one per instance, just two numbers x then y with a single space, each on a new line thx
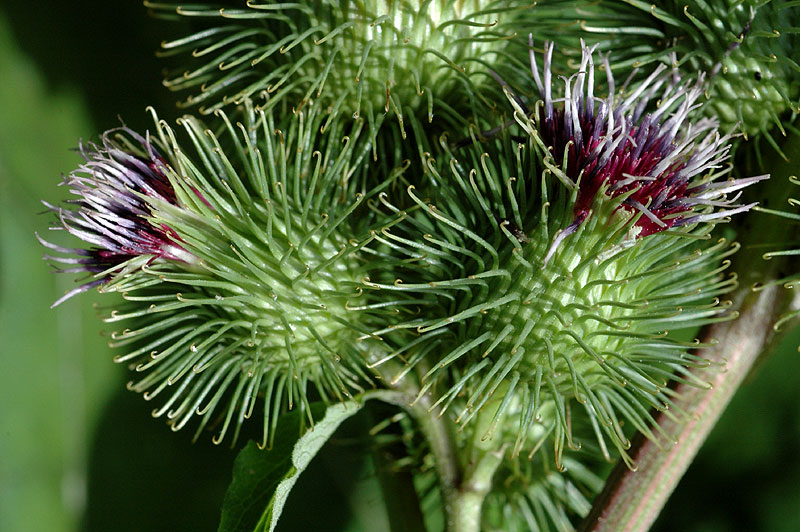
465 471
459 505
438 432
476 485
631 501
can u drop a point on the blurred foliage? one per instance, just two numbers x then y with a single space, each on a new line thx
51 386
79 452
103 50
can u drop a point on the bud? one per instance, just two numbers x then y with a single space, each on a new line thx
235 263
367 59
553 271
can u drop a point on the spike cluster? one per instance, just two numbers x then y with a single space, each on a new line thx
531 495
249 300
567 295
367 58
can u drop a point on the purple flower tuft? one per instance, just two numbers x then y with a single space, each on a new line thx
658 159
111 210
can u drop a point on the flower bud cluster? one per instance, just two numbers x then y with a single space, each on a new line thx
554 270
524 273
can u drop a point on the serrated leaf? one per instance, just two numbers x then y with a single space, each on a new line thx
262 480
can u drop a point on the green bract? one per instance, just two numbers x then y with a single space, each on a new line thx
533 496
259 311
747 47
364 58
783 237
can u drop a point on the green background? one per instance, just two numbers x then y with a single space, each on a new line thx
79 452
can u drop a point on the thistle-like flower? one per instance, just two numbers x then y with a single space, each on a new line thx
115 189
567 295
652 159
235 263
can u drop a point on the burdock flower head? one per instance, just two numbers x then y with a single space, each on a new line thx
235 253
552 268
375 59
115 188
623 146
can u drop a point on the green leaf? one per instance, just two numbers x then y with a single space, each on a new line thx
262 480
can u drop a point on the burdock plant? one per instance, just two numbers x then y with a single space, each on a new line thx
538 278
554 269
236 269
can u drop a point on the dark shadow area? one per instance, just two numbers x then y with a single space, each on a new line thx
144 477
106 50
320 500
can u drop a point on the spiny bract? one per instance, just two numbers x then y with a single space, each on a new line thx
551 270
241 293
530 495
748 48
366 58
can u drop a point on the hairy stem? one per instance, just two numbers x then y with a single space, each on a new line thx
476 485
485 455
440 435
465 468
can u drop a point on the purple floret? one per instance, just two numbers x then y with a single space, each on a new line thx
111 211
